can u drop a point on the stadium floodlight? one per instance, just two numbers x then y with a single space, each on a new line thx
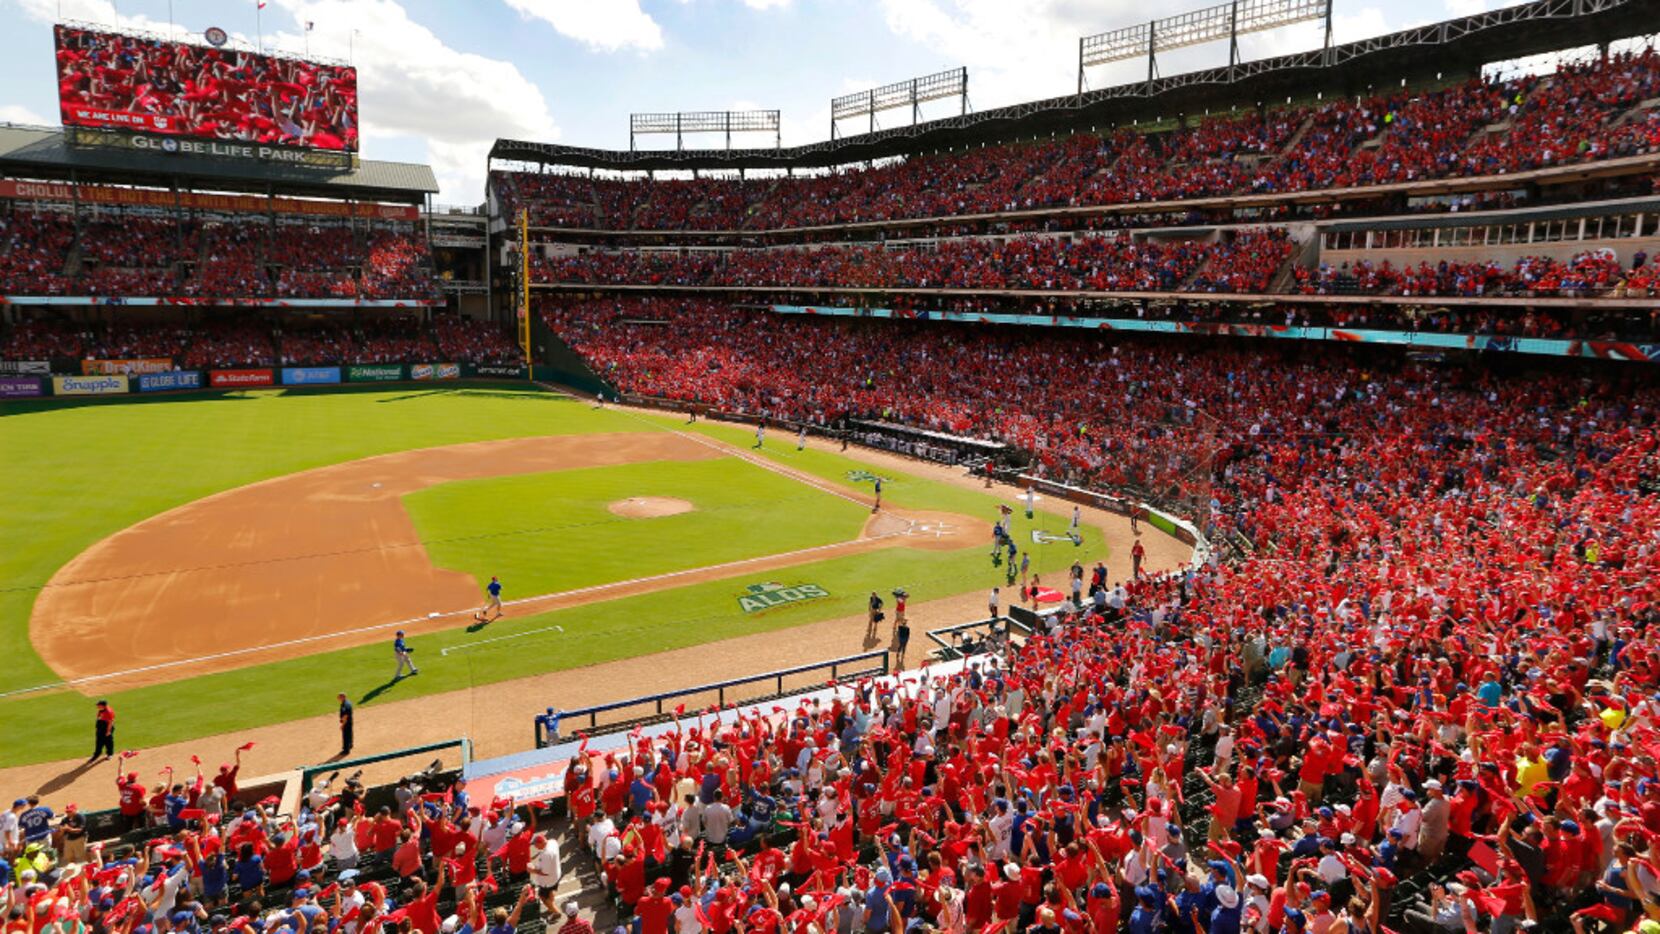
1227 21
706 121
912 92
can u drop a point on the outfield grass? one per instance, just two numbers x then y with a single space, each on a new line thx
552 532
73 474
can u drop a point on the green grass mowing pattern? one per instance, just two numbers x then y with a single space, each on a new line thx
552 532
78 472
73 473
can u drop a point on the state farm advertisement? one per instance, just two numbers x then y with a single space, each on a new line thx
236 379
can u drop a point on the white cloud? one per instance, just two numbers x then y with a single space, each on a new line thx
411 84
1015 50
601 25
12 113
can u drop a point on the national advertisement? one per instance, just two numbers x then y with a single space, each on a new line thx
175 379
25 368
435 371
129 366
105 385
234 379
310 375
375 373
19 387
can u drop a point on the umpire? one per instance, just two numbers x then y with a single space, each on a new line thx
103 732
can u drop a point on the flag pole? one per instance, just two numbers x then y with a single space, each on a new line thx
259 23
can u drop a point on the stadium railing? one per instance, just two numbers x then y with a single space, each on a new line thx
952 645
864 664
308 774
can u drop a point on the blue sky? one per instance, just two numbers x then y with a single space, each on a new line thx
440 80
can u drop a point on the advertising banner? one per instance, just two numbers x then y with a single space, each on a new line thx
232 379
106 385
310 375
143 365
25 368
435 371
19 387
498 370
202 201
177 379
375 373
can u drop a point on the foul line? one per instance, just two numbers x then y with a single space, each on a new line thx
732 450
415 620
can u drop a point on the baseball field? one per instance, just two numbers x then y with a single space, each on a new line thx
217 563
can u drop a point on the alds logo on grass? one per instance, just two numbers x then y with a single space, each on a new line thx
860 476
766 596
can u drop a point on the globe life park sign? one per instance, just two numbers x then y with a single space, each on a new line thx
224 150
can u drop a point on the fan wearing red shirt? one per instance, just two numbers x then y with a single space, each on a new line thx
423 910
132 804
1006 895
655 909
977 903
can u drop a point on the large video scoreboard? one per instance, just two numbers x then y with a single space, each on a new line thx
149 93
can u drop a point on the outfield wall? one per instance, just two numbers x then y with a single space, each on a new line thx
32 379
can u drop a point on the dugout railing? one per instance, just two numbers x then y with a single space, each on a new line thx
957 641
862 665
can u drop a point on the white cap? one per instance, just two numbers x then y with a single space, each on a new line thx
1227 896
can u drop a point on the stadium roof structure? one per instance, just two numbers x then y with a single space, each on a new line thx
1450 49
46 154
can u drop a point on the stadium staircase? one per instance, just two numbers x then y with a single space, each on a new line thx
1306 256
1290 147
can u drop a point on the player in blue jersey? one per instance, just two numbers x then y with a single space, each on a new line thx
491 602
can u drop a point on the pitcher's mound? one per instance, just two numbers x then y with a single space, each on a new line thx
649 507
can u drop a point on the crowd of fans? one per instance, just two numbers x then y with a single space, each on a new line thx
1594 272
1245 261
145 256
459 339
1581 112
1425 698
249 340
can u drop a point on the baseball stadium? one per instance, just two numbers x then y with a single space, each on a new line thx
1215 494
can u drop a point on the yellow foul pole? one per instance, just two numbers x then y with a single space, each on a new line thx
524 290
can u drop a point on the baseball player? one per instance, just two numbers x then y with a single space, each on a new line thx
492 601
878 506
1029 500
1075 532
801 438
760 433
403 652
